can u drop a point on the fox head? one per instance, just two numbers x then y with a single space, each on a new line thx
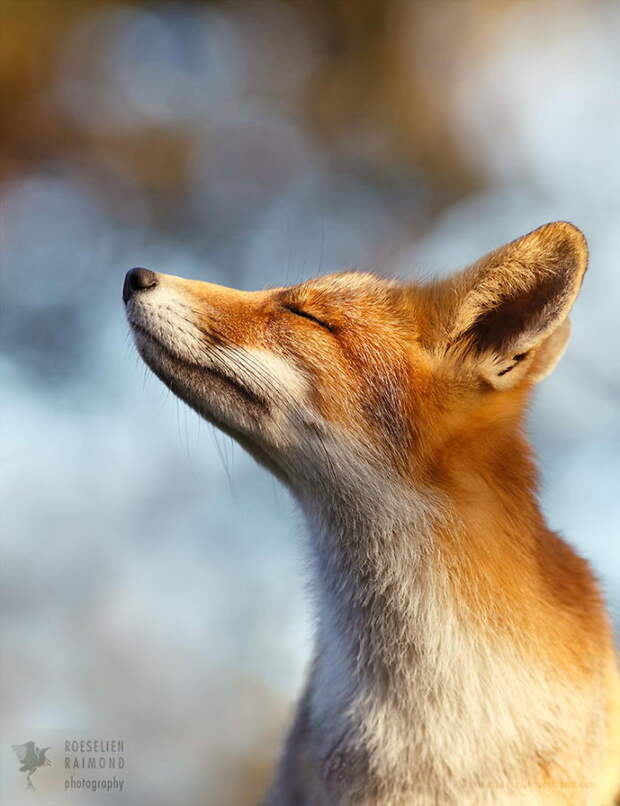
353 369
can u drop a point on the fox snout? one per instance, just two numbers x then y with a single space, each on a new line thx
216 348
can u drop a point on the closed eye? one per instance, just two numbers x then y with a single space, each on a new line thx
300 312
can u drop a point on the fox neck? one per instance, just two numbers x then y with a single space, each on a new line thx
434 619
397 564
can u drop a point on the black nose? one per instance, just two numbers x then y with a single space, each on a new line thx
137 280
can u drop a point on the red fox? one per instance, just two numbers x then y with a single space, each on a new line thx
463 652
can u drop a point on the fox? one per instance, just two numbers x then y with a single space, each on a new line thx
463 653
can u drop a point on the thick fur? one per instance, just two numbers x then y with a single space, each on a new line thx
463 653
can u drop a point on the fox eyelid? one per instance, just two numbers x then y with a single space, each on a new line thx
300 312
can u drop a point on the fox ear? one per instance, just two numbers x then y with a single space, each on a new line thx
511 307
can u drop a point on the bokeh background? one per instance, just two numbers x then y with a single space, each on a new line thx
152 577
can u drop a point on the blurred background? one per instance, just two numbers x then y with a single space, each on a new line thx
152 577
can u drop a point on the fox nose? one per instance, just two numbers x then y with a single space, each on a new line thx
138 280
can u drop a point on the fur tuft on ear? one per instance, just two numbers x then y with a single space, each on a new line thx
511 307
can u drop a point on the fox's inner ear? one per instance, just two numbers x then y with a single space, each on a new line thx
511 307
